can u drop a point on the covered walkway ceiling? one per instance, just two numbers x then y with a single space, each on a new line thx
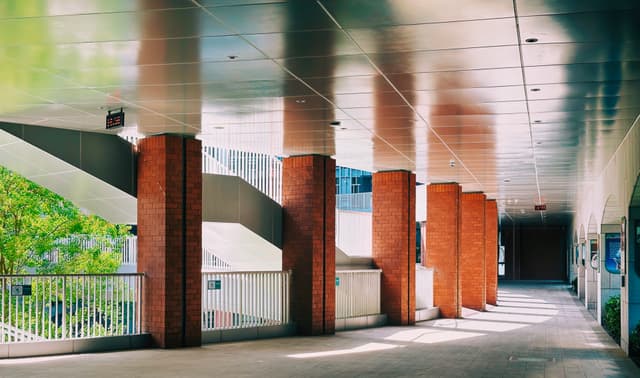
528 98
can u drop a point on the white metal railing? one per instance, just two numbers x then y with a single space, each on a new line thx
263 171
357 292
354 201
70 306
127 246
424 287
213 263
245 299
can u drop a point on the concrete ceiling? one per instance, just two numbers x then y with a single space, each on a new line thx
528 98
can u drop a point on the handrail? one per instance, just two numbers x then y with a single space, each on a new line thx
36 307
262 171
245 299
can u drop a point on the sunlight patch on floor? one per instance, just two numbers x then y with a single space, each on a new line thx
430 335
505 317
478 325
370 347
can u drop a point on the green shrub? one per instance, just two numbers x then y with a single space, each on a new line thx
611 318
634 341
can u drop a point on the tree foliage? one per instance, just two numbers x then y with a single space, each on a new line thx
34 221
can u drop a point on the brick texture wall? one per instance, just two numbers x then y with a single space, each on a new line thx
472 251
172 283
309 195
443 224
394 243
491 249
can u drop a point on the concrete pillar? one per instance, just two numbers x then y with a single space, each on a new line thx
472 251
170 238
443 225
309 205
394 243
491 250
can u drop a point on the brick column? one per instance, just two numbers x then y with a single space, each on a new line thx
170 238
472 251
443 225
491 249
394 243
309 204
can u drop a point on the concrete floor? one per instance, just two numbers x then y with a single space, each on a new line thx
536 331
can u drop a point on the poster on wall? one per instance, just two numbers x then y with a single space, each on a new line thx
623 244
594 260
612 253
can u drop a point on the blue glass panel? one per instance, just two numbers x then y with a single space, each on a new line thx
612 250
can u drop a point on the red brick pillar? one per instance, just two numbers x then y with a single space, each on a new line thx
472 251
443 226
491 249
309 204
394 243
170 238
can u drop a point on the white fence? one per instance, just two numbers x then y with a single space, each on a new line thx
245 299
127 246
354 201
74 306
357 293
213 263
424 287
262 171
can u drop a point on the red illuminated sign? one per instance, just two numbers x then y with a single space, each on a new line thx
115 119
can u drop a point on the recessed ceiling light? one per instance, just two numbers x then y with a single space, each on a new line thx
301 101
335 123
531 40
537 121
343 128
232 57
507 180
538 143
219 127
535 89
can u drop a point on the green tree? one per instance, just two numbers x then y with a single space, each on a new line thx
35 221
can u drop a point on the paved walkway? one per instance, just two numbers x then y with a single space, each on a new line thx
536 331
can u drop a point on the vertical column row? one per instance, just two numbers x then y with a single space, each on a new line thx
462 248
394 242
472 251
443 253
491 250
170 238
309 195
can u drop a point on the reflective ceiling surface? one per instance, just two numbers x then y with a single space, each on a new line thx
528 98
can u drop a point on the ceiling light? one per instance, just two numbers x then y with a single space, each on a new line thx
219 127
537 121
334 123
538 143
531 40
301 101
343 128
535 89
452 163
232 57
507 180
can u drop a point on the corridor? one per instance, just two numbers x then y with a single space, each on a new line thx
536 331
